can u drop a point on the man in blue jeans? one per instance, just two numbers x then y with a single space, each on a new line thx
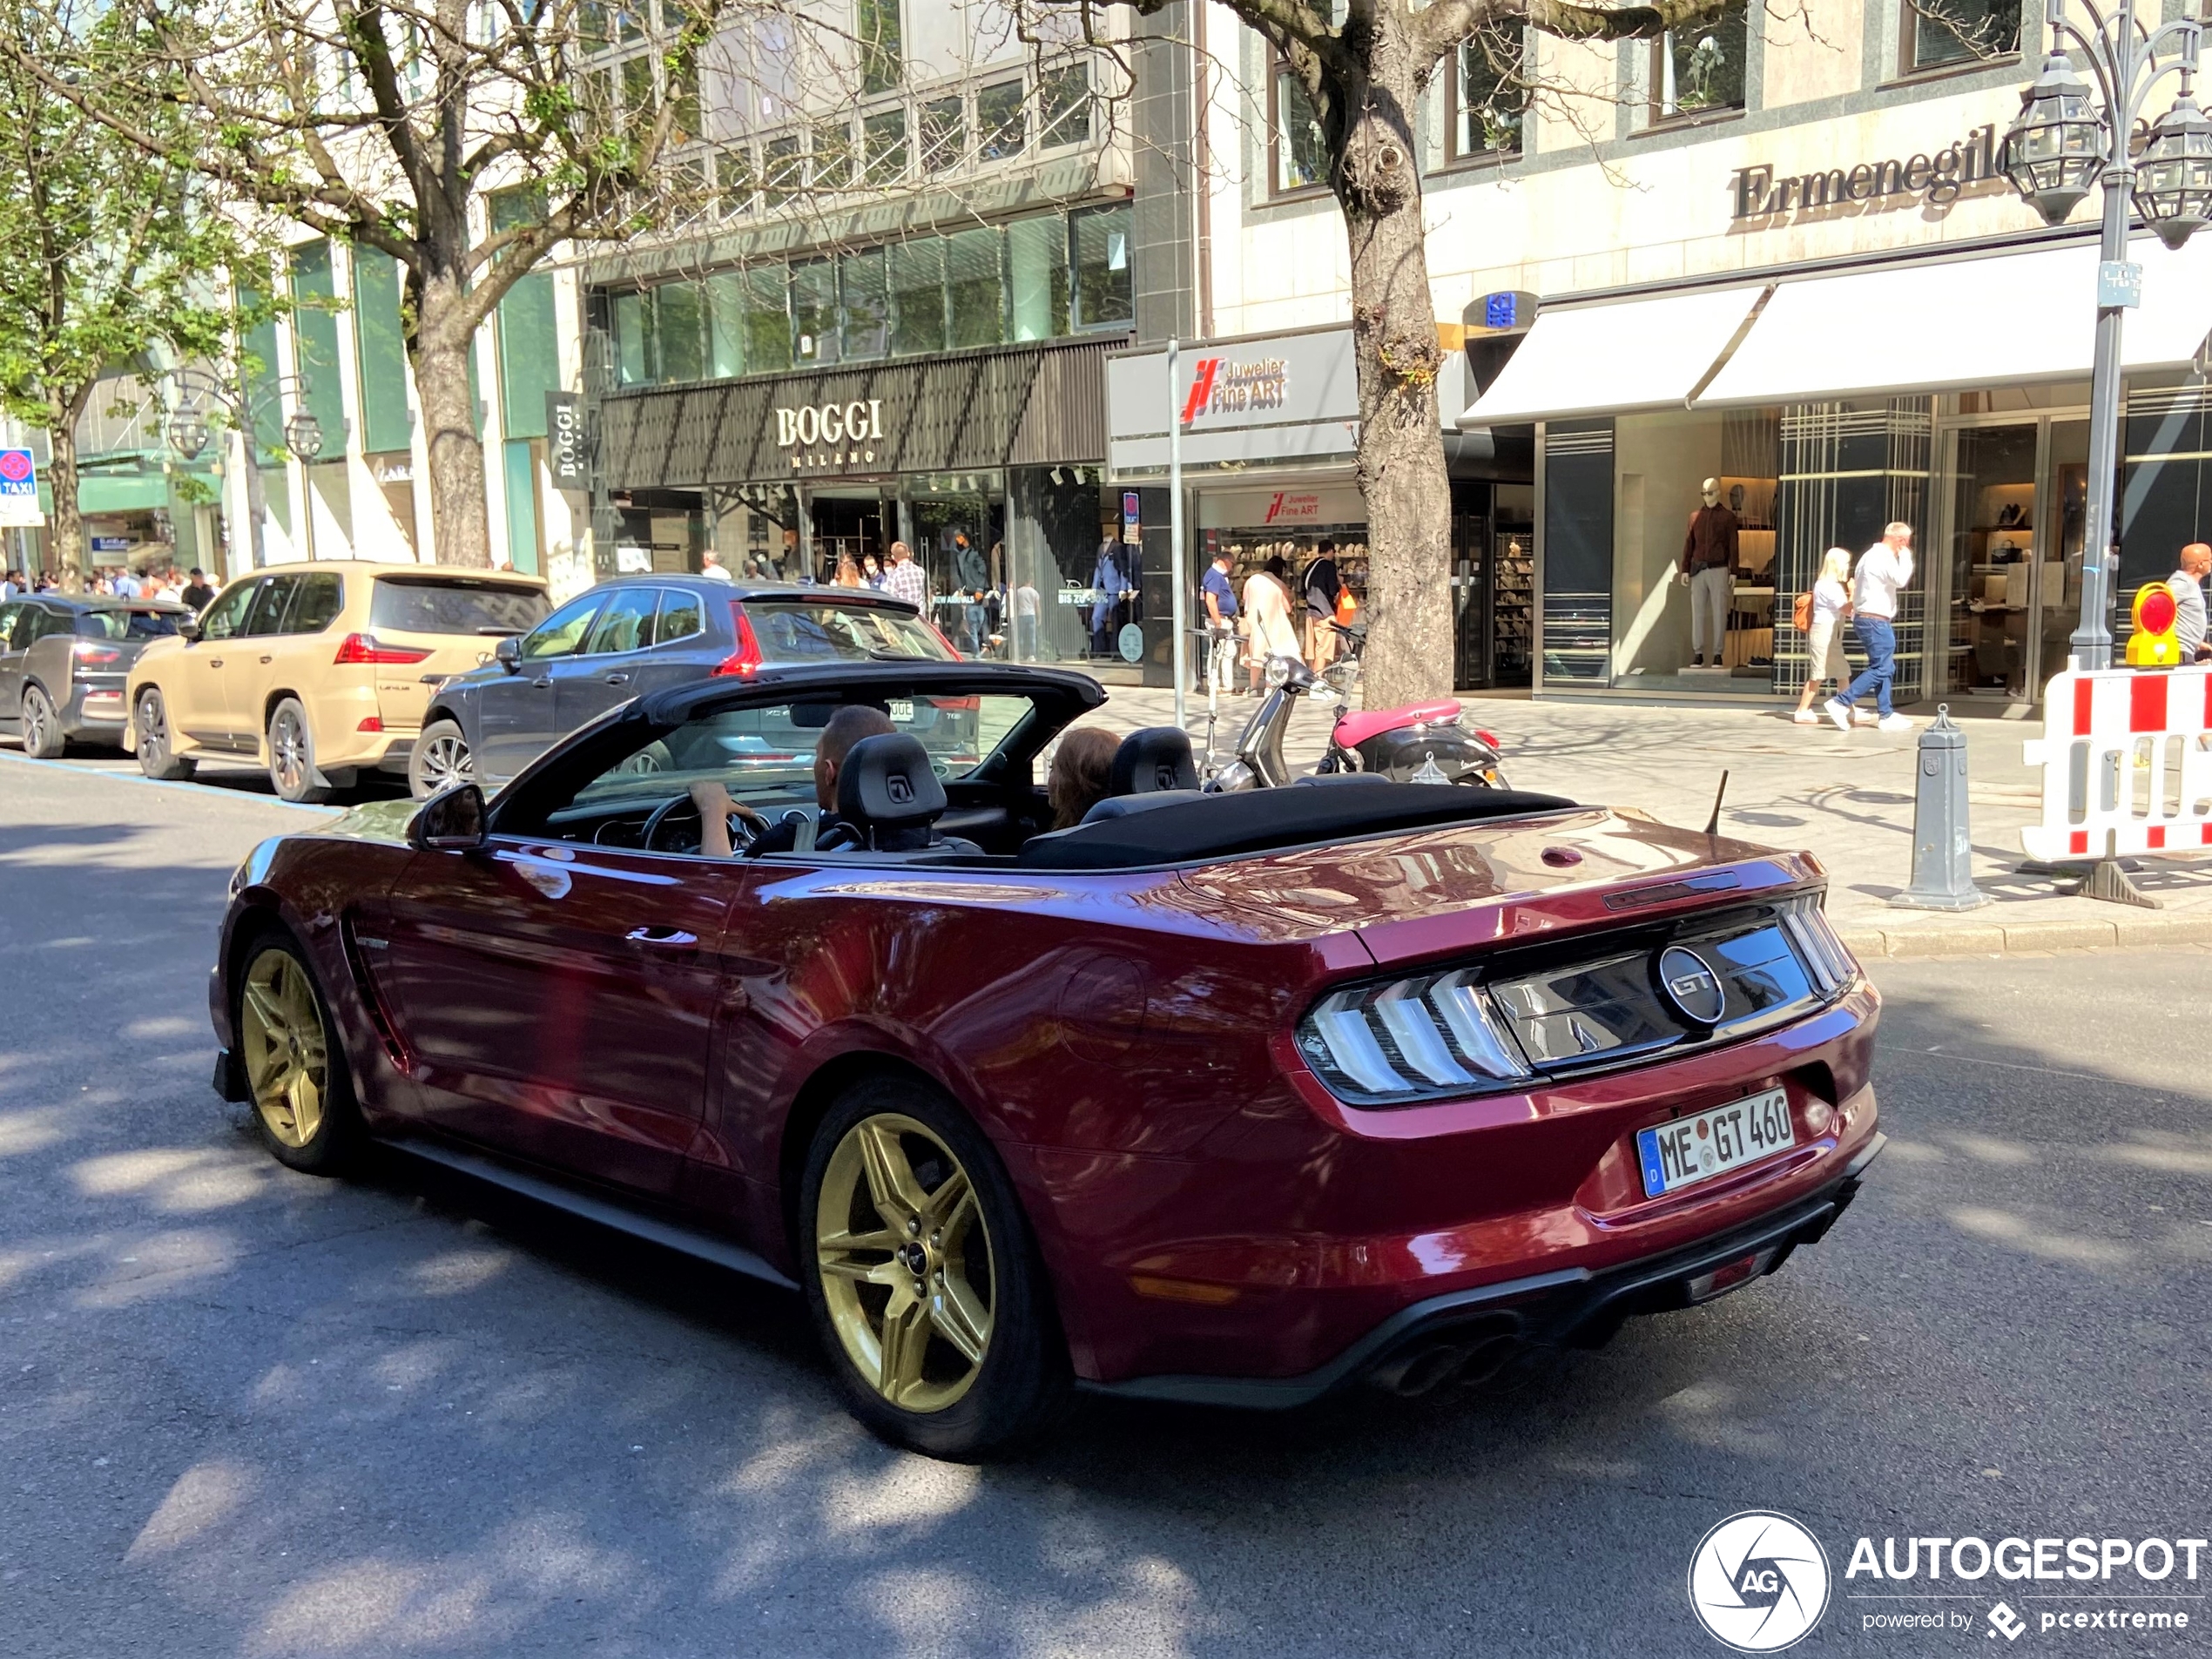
1884 569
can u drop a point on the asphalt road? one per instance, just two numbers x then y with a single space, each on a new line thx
247 1412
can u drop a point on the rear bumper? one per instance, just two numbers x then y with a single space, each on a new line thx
95 713
1430 1341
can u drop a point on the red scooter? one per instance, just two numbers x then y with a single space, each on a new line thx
1422 743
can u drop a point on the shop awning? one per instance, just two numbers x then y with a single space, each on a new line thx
2007 319
1607 359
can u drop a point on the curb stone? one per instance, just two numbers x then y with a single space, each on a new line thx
2133 929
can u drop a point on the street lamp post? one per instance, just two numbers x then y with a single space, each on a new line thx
2063 143
193 392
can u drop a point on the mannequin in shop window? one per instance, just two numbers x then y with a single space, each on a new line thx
1709 571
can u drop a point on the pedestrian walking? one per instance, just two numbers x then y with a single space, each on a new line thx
1885 569
848 572
1824 631
2187 584
905 579
711 567
197 593
1219 596
1269 630
1323 587
871 570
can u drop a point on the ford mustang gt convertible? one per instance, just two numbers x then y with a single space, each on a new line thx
1218 1097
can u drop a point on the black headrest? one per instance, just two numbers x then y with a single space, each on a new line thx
1157 757
887 791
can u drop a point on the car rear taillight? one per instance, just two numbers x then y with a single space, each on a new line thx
90 653
745 661
364 649
1490 737
371 723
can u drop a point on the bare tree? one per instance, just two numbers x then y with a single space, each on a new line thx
466 139
1364 65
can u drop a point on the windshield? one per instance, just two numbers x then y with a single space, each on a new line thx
126 624
413 605
764 757
815 630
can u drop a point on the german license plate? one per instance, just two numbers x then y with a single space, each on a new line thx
1697 1148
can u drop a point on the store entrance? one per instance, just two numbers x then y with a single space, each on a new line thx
849 525
2018 504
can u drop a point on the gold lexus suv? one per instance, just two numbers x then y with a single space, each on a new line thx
318 670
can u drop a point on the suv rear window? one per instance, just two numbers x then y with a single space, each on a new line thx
444 605
814 631
126 624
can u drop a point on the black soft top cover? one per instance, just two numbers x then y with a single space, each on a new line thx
1261 820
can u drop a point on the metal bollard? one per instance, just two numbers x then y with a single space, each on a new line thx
1943 876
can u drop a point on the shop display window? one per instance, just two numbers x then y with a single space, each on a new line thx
2014 571
1072 584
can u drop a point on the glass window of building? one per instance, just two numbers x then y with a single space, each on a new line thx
1064 106
883 146
733 177
637 90
629 23
975 287
631 314
917 296
875 26
1940 32
591 26
944 134
1036 264
1488 95
1698 65
680 330
782 168
1002 121
830 165
1104 295
1299 161
813 311
866 298
767 321
683 101
725 310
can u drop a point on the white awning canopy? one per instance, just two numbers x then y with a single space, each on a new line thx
1607 359
2008 320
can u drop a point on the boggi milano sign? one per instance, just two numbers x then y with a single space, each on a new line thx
859 421
1937 180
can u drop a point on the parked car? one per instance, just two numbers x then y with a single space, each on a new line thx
644 633
1237 1098
319 671
64 660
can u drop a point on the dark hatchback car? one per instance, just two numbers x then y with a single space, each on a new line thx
643 633
63 660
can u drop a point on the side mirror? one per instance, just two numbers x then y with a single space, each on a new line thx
451 821
188 629
509 654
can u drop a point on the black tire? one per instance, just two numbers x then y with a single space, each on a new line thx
1021 1384
441 758
43 739
301 1097
157 755
291 755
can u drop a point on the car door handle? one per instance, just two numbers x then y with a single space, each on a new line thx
617 679
214 662
672 936
543 681
268 659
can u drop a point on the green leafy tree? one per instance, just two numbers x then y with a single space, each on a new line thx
104 255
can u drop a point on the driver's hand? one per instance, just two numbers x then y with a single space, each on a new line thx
715 807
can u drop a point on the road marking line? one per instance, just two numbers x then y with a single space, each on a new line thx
203 790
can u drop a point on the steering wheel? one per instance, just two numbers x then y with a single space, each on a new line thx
741 831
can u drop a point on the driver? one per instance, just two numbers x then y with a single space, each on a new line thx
847 727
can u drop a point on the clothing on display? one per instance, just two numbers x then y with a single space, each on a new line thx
1712 591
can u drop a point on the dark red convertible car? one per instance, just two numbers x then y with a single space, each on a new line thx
1238 1097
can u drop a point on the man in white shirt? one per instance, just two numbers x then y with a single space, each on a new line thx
1884 569
711 566
2187 585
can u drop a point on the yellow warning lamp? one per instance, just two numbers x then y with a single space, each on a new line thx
2153 644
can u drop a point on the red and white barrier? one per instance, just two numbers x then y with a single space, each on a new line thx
2126 764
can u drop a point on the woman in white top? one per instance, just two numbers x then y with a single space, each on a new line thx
1824 640
1269 630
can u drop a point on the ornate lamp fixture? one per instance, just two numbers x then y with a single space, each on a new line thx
2055 150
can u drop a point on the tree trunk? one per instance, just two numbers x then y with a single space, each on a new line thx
1400 464
438 349
65 549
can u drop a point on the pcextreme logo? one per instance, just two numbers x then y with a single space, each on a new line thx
1759 1582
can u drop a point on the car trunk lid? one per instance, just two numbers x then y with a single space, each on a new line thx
424 629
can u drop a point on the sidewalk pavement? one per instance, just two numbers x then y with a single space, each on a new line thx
1846 799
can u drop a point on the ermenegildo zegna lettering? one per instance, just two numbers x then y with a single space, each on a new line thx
1936 180
829 423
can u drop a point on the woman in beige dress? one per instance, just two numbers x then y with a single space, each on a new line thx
1269 628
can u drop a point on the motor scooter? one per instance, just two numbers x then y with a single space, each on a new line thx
1422 743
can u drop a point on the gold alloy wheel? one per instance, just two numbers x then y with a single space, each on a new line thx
905 1263
281 1035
